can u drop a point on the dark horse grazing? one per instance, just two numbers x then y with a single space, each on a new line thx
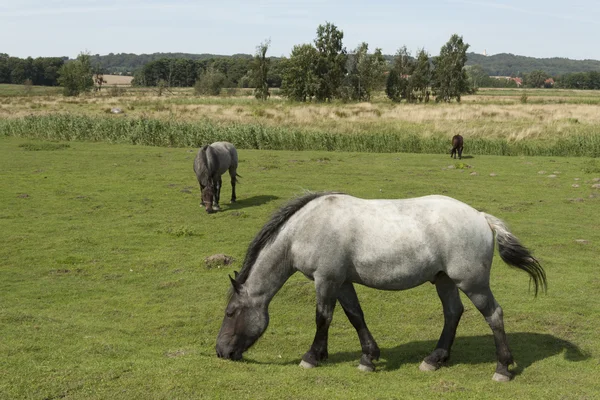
337 240
457 146
211 162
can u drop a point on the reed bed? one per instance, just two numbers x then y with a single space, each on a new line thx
176 133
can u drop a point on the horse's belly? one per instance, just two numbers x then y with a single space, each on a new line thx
400 274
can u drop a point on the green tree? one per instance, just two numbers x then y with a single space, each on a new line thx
398 87
299 75
535 79
260 71
477 77
421 77
76 76
210 82
450 80
365 73
331 61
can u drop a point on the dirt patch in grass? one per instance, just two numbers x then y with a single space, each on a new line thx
218 261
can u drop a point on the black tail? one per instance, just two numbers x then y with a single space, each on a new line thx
515 254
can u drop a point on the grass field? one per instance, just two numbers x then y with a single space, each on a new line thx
119 80
105 292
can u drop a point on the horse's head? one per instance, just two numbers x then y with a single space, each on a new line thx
243 324
207 194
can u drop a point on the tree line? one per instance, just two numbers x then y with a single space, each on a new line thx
319 71
325 71
182 72
43 71
503 64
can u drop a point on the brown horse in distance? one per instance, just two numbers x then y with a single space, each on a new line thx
457 146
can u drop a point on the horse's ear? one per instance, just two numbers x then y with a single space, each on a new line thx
235 284
235 274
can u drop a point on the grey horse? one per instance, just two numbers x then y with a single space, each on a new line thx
337 240
210 163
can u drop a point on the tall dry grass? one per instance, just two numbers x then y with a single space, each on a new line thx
176 132
509 121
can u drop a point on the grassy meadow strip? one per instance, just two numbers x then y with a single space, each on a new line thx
12 90
105 292
174 133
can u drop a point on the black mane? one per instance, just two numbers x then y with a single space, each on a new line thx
270 229
203 172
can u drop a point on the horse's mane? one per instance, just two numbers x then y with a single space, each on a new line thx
270 229
203 172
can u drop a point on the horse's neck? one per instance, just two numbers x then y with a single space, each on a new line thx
268 274
212 162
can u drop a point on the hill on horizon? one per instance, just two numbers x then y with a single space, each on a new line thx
503 64
506 64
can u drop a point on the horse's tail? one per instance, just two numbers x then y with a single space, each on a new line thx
515 254
237 176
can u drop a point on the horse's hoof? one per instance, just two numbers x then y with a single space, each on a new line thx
366 368
500 378
425 366
306 365
216 208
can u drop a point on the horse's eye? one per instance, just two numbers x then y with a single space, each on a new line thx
230 313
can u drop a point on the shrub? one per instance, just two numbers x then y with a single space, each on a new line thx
210 83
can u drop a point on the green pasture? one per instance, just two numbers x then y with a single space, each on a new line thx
571 94
12 90
104 290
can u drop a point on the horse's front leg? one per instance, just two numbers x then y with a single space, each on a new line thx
370 351
217 193
326 299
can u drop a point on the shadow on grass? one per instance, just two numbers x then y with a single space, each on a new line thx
253 201
527 349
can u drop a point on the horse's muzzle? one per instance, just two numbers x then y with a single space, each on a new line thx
234 356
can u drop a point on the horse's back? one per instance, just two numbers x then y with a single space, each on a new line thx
457 141
389 244
226 154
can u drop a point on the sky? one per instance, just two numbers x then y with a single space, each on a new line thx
536 28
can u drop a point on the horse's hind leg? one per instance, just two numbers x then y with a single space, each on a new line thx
349 302
326 299
453 309
491 310
232 174
460 153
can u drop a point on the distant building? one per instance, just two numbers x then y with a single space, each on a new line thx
518 81
484 53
